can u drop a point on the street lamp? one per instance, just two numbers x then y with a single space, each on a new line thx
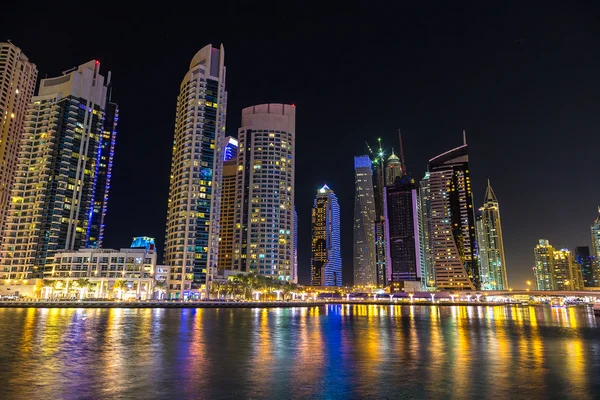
433 297
411 296
278 293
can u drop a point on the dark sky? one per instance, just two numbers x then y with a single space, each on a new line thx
523 81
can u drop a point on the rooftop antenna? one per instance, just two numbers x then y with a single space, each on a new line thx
464 137
402 152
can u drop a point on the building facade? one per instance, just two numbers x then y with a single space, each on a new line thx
401 210
17 85
52 197
587 264
228 201
426 251
378 185
365 272
103 177
264 214
491 244
452 221
192 232
567 274
103 269
543 271
326 260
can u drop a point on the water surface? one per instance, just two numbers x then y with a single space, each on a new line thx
328 352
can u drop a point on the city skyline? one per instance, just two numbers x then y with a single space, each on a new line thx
486 129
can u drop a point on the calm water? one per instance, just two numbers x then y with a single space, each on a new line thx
329 352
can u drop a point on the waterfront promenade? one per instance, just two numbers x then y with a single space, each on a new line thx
224 304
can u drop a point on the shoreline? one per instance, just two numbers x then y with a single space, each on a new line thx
225 304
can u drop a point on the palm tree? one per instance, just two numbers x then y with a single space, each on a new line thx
161 288
83 284
120 286
48 284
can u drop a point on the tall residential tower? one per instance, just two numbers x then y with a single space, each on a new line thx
192 233
17 84
365 273
453 221
264 236
491 245
52 198
326 260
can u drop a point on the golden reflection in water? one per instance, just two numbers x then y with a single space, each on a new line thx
27 336
368 346
574 364
114 362
461 353
310 356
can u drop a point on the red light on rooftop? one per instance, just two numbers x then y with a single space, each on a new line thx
293 105
97 62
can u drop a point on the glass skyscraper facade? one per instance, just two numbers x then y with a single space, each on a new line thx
544 265
52 198
192 232
403 245
326 260
365 273
426 252
491 244
587 264
452 221
105 163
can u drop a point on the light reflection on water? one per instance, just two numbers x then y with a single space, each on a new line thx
329 352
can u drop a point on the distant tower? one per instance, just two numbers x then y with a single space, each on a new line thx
587 265
566 274
264 214
228 197
326 262
426 251
17 84
59 153
544 265
393 169
365 273
491 244
401 210
194 209
595 230
453 221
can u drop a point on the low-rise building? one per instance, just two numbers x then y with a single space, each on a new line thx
128 273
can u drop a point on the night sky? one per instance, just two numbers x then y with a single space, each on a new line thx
523 81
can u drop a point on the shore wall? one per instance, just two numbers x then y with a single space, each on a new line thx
217 304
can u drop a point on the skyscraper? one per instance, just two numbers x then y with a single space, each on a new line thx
105 163
567 275
228 194
595 230
393 169
426 251
192 232
365 273
326 261
378 185
264 214
587 265
490 244
51 200
17 83
452 221
401 210
544 265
